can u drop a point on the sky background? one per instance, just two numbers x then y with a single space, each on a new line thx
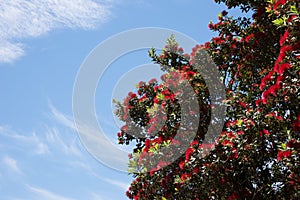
42 46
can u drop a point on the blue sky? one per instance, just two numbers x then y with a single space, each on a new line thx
42 46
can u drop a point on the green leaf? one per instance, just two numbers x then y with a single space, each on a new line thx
239 122
293 9
160 96
278 22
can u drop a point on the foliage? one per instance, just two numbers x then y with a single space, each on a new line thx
257 154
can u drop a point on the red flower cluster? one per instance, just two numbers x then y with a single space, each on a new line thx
265 132
296 124
278 3
283 154
188 153
234 196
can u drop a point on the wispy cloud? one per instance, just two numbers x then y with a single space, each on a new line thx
44 194
61 118
120 184
67 144
95 141
32 141
49 139
95 196
11 164
21 19
57 150
116 183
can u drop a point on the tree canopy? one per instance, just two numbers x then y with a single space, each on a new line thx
256 154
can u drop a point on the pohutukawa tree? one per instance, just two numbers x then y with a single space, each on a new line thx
257 153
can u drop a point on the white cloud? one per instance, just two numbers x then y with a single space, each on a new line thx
10 51
63 155
49 139
44 194
95 141
68 145
11 164
122 185
61 118
21 19
32 141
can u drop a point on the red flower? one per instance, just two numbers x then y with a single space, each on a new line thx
156 87
234 155
282 53
196 170
280 69
283 154
152 171
181 165
133 96
291 18
124 128
128 194
158 140
293 144
266 79
279 118
264 97
296 124
249 37
162 164
156 100
279 80
190 73
243 104
218 40
185 68
230 135
265 132
227 143
154 80
165 92
194 143
144 97
120 134
188 153
172 97
231 123
148 143
185 176
240 132
284 37
233 196
278 3
257 102
274 89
